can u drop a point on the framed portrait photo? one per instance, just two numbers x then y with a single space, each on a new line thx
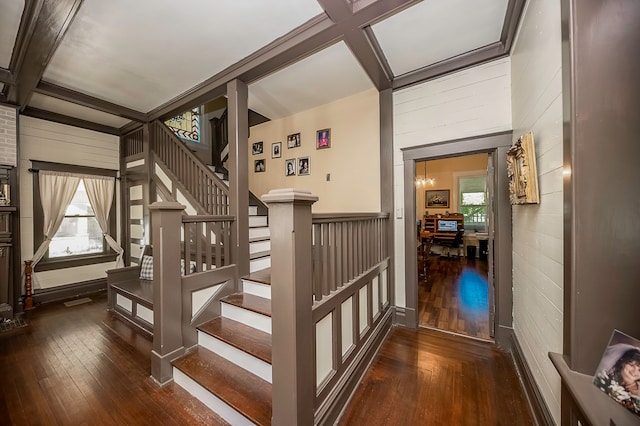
293 140
256 148
276 150
437 198
260 166
290 167
303 166
323 138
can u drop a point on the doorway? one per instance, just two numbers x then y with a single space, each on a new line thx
499 236
453 207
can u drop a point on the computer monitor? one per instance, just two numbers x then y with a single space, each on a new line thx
447 225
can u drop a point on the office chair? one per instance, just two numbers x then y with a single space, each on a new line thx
455 242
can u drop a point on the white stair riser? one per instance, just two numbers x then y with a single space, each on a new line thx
260 264
257 221
217 405
240 358
246 317
259 232
253 210
257 289
258 246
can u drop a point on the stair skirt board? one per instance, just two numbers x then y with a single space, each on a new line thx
214 403
259 232
259 264
237 356
257 289
246 317
258 246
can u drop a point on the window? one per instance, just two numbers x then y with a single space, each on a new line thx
473 202
79 240
79 232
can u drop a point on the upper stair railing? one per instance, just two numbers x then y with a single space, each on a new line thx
207 189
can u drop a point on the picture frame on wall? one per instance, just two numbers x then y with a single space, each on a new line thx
323 139
303 166
260 166
290 167
256 148
437 198
276 150
293 140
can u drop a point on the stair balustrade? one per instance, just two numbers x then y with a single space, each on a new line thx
330 304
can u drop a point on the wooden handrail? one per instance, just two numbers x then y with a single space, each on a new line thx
346 217
202 184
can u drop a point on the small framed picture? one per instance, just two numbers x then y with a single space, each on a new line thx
437 198
276 150
290 167
303 166
293 140
257 148
323 138
260 166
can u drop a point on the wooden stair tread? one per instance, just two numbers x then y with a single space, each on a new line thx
259 254
141 290
250 302
241 336
259 239
262 276
245 392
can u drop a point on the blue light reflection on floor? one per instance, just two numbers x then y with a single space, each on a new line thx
474 292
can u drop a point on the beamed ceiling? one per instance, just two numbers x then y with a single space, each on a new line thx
108 65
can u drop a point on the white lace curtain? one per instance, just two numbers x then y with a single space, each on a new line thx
56 192
100 193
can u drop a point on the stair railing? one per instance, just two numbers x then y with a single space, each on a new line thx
191 254
330 304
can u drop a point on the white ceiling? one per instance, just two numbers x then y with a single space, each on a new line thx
10 12
142 54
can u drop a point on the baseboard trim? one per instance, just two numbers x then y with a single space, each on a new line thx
405 317
69 291
539 408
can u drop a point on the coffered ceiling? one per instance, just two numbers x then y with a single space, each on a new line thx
104 64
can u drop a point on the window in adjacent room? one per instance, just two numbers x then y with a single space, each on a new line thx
473 202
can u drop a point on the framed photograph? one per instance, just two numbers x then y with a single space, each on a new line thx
618 374
437 198
290 167
293 140
260 166
323 138
276 150
256 148
303 166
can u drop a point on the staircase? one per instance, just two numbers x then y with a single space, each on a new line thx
230 369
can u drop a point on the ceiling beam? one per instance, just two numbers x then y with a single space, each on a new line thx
304 41
69 95
71 121
6 77
52 22
456 63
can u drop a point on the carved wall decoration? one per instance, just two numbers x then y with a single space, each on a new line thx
522 171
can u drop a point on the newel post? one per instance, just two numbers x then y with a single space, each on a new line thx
291 306
166 218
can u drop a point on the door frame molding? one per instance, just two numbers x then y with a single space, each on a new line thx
497 143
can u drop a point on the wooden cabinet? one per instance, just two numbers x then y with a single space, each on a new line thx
6 259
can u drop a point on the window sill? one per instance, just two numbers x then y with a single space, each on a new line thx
50 265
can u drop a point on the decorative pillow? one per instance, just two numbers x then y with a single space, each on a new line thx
146 268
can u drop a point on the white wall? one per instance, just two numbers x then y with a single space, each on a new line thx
472 102
353 160
47 141
537 229
8 136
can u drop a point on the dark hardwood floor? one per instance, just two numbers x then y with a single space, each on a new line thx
78 365
454 295
426 377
